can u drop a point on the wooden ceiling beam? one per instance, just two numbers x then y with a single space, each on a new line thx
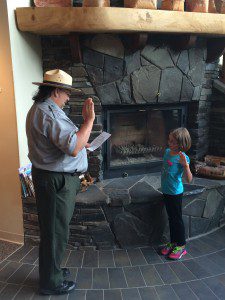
64 20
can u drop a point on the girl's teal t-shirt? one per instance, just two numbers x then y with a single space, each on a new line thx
172 171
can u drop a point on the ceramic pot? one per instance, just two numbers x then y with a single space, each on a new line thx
177 5
197 5
149 4
53 3
96 3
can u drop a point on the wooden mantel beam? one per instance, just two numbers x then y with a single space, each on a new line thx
64 20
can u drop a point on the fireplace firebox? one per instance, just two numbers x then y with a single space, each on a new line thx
138 137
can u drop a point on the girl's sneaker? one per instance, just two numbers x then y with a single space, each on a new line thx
177 253
167 249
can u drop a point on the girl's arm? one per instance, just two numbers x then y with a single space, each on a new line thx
187 172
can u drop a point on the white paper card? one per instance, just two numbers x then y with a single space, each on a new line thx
99 140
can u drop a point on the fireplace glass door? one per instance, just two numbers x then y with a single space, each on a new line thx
138 138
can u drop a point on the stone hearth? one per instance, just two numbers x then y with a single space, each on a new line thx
127 212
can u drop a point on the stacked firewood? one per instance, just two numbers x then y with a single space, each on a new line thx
212 167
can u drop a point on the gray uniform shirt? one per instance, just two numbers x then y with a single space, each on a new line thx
52 139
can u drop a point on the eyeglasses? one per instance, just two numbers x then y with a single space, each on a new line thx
67 92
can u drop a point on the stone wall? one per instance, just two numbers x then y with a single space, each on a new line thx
113 75
128 212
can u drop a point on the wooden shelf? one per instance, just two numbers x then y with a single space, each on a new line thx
64 20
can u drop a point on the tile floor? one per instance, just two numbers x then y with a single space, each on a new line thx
133 274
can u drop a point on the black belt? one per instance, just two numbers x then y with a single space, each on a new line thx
75 173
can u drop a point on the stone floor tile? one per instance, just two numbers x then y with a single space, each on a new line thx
100 278
8 270
196 269
199 278
218 259
121 258
7 248
116 278
221 278
112 295
217 236
221 253
130 294
216 286
73 274
205 248
2 285
21 274
134 277
94 295
214 243
37 296
78 295
31 257
166 273
20 253
65 258
9 291
84 278
106 259
209 265
90 259
36 263
183 291
183 273
136 257
75 259
151 255
59 297
148 293
25 293
194 250
201 290
166 292
33 278
3 264
151 276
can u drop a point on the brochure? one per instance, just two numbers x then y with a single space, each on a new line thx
99 140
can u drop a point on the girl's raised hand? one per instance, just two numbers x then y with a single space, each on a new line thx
183 160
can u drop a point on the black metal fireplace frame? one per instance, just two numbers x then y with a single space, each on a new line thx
151 167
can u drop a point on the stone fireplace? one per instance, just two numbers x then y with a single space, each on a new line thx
147 91
139 96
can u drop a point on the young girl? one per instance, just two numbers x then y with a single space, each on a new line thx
175 165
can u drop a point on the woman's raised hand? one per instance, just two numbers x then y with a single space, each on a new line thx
88 111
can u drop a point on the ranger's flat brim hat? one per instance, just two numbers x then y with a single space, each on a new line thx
59 79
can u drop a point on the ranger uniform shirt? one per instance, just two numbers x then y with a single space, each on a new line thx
52 139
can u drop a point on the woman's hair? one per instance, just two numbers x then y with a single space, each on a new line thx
43 93
183 138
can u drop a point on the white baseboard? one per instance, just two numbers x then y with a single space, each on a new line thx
12 237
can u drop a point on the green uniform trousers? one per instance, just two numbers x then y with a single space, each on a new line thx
55 197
